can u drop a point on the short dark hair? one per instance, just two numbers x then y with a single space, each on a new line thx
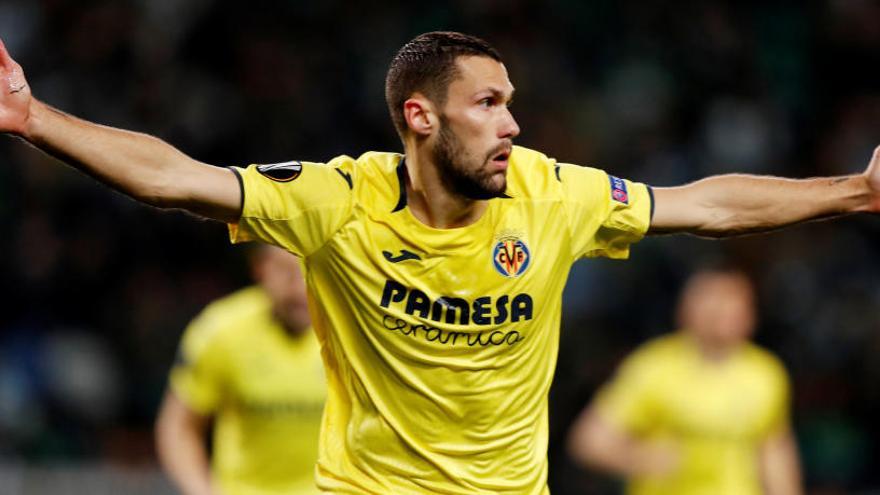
427 64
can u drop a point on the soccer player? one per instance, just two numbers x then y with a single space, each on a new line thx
250 364
699 411
438 273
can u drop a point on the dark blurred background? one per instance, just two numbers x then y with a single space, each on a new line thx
96 289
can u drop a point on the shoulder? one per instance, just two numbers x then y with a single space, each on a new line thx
339 174
373 176
369 166
240 303
223 318
653 358
534 174
531 174
659 349
762 361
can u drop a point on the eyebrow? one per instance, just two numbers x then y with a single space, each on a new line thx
499 94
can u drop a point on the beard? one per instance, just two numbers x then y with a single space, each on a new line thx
461 172
293 317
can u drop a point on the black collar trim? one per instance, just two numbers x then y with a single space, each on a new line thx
401 181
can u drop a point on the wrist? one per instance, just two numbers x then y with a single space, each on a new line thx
864 193
31 123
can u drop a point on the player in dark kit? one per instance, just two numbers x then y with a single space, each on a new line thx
436 275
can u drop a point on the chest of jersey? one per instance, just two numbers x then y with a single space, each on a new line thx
452 292
275 377
732 402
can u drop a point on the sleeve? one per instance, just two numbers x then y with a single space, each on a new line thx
198 375
626 401
294 205
605 214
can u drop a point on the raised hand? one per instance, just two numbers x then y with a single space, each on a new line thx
15 95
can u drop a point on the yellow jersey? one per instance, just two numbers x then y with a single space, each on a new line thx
439 344
265 390
716 413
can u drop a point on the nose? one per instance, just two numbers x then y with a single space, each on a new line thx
509 128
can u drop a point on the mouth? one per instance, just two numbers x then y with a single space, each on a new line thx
500 159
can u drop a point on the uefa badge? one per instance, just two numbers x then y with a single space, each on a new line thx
618 190
281 172
511 256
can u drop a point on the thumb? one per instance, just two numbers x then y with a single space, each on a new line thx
874 165
5 58
6 61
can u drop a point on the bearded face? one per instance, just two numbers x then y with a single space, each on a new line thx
465 172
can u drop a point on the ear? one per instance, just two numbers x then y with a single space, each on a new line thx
419 114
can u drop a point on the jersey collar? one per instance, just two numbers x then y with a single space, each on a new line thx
401 183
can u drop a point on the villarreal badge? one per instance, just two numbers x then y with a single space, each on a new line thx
511 256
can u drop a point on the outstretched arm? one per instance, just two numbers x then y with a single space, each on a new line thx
728 205
138 165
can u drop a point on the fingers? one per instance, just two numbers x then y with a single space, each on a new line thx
5 59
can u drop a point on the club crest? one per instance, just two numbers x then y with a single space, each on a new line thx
281 172
511 256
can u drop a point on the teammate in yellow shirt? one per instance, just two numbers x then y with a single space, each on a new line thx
251 364
698 412
437 272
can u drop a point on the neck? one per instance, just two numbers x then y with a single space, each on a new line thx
429 198
711 351
294 330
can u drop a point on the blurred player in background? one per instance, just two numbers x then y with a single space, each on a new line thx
437 272
249 363
699 411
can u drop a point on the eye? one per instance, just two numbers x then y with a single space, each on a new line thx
487 102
